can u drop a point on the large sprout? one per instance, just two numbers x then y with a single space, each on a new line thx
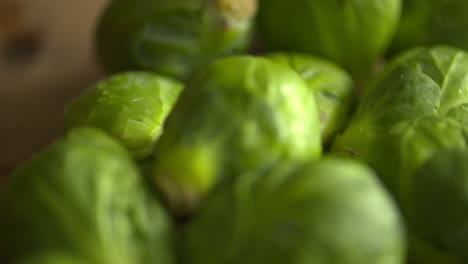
422 82
172 37
333 88
353 33
408 158
83 197
237 114
131 106
329 211
397 151
414 109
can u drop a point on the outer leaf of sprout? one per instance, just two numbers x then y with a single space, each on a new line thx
131 106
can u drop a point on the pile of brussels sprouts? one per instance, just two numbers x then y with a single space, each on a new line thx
279 132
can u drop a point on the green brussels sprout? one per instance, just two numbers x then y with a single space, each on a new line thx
354 33
131 106
414 109
333 88
435 22
237 114
83 196
439 206
330 211
172 37
421 82
396 153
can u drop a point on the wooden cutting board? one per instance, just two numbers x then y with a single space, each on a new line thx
46 59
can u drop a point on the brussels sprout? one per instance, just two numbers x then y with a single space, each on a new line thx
330 211
131 106
353 33
396 153
421 82
237 114
172 37
83 196
432 22
415 108
333 89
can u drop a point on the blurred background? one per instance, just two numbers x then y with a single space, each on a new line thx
46 59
